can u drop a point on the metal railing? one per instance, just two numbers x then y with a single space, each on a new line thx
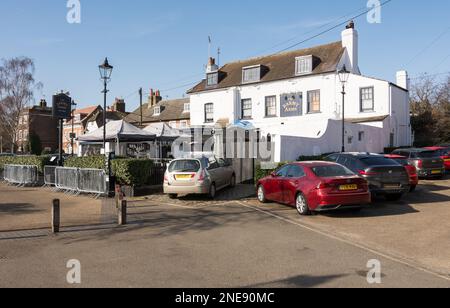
21 175
76 181
66 179
50 175
92 181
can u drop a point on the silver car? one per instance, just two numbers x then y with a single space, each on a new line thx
203 175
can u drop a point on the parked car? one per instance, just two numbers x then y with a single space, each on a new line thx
444 153
314 187
427 163
385 176
203 175
412 171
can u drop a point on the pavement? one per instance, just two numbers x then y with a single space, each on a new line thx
194 242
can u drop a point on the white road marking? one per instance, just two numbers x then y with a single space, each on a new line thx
349 242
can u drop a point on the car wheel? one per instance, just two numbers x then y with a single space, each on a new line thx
233 181
302 205
261 194
212 191
413 188
394 197
173 196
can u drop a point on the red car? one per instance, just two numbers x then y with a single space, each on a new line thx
315 187
412 171
444 153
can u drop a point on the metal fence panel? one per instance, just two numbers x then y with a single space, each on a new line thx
92 181
21 175
50 175
66 179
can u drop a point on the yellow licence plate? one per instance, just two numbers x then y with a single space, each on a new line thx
183 177
436 172
348 187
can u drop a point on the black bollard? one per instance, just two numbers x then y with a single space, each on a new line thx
122 219
56 216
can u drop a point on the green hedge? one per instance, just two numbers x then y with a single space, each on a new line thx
262 173
90 162
136 172
39 161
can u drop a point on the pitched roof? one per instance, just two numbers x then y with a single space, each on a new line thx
171 110
278 66
86 111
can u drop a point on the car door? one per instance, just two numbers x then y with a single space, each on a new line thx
214 172
274 190
226 171
291 183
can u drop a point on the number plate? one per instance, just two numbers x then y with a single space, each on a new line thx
348 187
392 186
436 172
183 177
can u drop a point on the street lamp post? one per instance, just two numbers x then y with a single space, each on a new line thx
343 78
105 74
72 135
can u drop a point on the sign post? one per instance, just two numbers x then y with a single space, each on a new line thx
62 110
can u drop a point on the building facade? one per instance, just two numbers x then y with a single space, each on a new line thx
114 113
175 113
76 127
295 100
37 125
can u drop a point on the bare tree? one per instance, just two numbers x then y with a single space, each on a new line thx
17 85
430 108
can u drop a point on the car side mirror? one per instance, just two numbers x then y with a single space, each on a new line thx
274 175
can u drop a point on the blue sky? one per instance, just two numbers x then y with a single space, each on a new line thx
164 44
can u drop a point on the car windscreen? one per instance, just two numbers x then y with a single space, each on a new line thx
331 171
378 161
187 165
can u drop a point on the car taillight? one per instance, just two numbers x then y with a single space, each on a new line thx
323 185
420 163
202 176
166 177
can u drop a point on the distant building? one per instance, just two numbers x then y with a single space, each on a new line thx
115 113
38 122
176 113
77 126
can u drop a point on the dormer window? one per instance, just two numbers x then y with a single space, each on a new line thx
157 111
187 108
251 74
303 65
212 79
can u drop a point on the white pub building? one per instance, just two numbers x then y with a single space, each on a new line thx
295 99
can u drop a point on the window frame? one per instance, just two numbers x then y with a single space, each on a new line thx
258 69
206 112
309 103
300 62
266 107
157 111
243 101
215 79
361 107
188 109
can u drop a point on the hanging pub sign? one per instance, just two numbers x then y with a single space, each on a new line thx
62 106
291 105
